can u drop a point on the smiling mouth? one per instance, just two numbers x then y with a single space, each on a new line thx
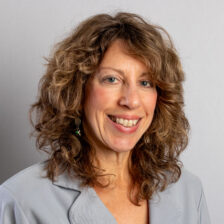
124 122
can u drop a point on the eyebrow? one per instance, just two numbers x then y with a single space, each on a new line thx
120 71
114 69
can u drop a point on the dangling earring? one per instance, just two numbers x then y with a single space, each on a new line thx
77 127
146 139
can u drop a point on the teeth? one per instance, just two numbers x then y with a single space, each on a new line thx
126 123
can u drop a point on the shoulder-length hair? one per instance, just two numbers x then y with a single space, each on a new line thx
155 158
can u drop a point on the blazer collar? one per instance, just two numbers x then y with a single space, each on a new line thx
65 181
163 207
87 206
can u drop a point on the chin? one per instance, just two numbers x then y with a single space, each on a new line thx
122 147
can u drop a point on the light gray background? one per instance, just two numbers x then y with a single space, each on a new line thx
28 31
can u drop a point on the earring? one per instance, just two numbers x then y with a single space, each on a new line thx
77 127
146 139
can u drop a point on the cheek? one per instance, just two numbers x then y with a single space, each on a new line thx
97 99
154 99
150 102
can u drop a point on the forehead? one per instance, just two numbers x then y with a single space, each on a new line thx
119 56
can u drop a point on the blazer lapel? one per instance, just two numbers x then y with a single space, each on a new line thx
87 206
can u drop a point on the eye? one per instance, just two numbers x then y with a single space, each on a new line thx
110 79
146 83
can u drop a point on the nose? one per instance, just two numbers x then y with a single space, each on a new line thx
129 97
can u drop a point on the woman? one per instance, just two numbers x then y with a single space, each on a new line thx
110 115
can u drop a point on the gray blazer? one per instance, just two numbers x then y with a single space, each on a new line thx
28 198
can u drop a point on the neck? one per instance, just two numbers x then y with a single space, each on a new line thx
116 165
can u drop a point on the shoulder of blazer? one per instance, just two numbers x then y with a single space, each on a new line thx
31 193
178 201
187 188
34 178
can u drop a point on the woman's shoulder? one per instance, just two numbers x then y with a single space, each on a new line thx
189 182
34 180
187 189
30 177
184 198
30 194
26 186
188 178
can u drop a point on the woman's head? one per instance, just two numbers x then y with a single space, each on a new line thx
119 101
64 91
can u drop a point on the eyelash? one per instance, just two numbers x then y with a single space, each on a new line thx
109 79
149 84
114 80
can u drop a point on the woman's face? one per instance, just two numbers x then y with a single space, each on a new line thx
119 101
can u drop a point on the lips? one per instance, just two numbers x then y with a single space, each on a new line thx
125 121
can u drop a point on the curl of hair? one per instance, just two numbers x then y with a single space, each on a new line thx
155 158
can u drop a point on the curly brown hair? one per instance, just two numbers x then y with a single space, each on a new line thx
155 158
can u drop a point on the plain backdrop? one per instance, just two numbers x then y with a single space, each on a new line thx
28 31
